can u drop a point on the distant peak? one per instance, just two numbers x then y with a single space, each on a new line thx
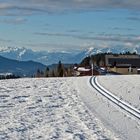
90 50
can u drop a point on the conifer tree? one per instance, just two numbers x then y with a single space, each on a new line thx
38 73
60 69
53 73
47 72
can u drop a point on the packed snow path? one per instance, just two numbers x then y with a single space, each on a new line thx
114 118
126 87
47 109
114 99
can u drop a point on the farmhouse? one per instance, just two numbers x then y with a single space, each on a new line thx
84 71
123 64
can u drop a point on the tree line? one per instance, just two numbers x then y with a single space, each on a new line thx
12 76
59 71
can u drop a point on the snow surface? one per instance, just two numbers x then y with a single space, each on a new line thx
113 117
83 69
47 109
67 109
126 87
22 53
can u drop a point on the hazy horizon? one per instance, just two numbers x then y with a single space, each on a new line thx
74 25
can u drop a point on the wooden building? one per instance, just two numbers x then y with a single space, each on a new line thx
123 64
83 71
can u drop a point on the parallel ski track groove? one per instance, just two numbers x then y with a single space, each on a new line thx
128 108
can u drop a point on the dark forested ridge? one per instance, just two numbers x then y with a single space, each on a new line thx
21 68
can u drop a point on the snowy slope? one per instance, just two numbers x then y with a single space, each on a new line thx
65 109
47 109
126 87
120 122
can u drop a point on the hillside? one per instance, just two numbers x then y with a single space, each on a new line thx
21 68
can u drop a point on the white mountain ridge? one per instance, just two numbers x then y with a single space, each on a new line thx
48 58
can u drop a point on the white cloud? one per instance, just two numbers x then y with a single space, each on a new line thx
128 44
18 20
64 5
105 38
5 5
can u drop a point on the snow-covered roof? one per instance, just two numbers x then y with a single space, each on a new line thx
83 69
5 74
75 68
102 68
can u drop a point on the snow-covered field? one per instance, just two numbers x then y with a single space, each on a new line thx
67 109
125 87
120 122
47 109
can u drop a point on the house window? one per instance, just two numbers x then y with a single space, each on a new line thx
130 69
138 71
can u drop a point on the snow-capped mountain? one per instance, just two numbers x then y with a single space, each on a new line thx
49 58
115 49
45 57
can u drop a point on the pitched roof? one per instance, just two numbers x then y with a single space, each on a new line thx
126 62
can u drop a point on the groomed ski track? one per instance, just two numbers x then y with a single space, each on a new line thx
114 99
122 123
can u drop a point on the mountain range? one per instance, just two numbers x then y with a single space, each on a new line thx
48 58
20 68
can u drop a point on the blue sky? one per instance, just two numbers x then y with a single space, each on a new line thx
61 25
